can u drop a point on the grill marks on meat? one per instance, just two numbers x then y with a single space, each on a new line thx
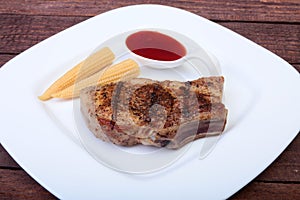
143 111
145 97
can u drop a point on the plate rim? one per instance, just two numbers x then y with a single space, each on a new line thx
111 11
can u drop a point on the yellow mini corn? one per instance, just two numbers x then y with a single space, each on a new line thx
84 69
124 70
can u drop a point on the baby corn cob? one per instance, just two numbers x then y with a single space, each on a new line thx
91 65
124 70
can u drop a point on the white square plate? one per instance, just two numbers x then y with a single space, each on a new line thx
261 94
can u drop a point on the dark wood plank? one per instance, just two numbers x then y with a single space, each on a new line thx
17 33
16 184
21 32
281 39
243 10
297 67
261 190
4 58
6 161
286 167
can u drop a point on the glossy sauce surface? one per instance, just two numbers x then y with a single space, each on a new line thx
155 45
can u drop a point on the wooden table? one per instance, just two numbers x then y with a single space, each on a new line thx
274 24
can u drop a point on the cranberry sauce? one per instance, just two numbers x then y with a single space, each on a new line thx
155 45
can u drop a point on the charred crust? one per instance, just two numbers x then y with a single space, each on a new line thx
144 97
102 97
114 102
163 143
196 104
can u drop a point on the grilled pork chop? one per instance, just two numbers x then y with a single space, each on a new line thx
163 114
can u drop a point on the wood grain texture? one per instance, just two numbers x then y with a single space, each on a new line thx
281 39
16 184
6 161
274 191
4 58
286 167
274 24
229 10
21 32
297 67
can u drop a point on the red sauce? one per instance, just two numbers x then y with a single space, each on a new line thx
155 45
